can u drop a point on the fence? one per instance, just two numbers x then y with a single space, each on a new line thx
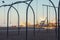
30 1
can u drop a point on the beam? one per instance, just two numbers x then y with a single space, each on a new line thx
48 5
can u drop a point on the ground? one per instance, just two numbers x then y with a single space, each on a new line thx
40 34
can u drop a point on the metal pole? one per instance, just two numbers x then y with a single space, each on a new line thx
59 20
47 16
47 13
27 20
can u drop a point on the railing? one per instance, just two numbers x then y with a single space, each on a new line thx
11 5
30 1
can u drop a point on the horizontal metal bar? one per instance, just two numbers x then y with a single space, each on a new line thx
48 5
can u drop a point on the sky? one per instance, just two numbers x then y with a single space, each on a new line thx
40 12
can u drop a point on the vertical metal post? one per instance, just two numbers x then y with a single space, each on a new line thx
59 20
47 13
7 24
47 16
27 20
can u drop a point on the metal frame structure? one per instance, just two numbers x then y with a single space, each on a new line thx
55 18
18 2
8 16
47 14
11 5
8 20
47 11
26 17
